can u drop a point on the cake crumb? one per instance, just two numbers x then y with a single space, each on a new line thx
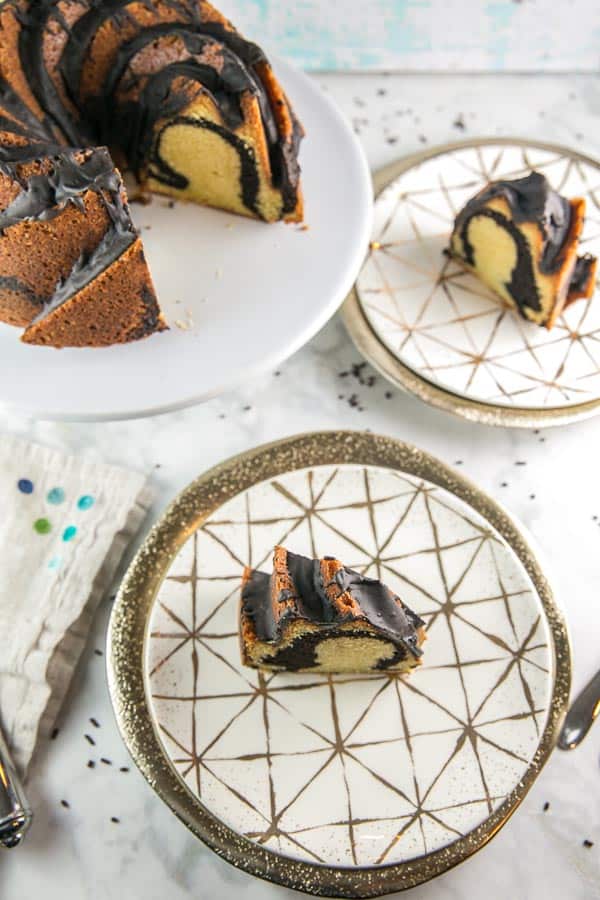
141 197
179 323
218 272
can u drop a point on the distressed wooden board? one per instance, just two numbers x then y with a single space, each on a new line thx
426 35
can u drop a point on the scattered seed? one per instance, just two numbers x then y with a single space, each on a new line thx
95 722
546 806
124 769
115 820
91 764
459 122
106 761
98 652
388 395
66 804
520 462
90 739
54 734
587 843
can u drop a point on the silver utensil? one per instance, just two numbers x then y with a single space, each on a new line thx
15 813
581 715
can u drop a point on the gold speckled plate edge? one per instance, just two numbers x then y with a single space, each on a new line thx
401 376
127 634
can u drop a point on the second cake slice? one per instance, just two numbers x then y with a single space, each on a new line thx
316 615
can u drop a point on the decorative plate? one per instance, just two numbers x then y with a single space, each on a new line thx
240 296
437 328
346 786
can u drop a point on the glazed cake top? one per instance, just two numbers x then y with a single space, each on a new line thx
316 599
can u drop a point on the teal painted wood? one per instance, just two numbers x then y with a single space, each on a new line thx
426 35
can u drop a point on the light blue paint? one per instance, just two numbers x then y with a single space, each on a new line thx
85 502
69 533
55 496
425 35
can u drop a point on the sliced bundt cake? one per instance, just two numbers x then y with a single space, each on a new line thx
179 97
521 238
317 616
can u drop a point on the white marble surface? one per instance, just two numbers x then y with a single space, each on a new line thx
78 852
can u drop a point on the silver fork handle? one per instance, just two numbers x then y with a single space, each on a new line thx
581 715
15 813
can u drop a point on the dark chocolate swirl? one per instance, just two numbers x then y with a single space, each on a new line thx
531 199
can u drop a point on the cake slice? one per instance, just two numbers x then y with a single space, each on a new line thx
73 269
315 615
521 239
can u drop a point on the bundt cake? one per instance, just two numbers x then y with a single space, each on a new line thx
521 239
317 616
179 97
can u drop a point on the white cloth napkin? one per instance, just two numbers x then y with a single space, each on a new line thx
64 525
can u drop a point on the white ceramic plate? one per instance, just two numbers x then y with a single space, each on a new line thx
378 773
247 294
441 322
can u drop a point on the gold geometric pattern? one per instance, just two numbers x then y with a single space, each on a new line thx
353 770
441 321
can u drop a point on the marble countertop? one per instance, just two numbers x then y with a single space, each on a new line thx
78 852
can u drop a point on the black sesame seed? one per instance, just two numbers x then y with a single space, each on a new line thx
546 806
98 652
115 820
95 722
388 395
66 804
587 843
124 769
90 739
504 484
91 764
107 762
54 734
520 462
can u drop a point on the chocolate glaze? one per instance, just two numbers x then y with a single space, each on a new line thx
45 196
378 605
531 199
582 273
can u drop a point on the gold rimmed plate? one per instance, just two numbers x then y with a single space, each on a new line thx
434 330
345 786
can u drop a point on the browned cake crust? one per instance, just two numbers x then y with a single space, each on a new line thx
118 307
318 616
